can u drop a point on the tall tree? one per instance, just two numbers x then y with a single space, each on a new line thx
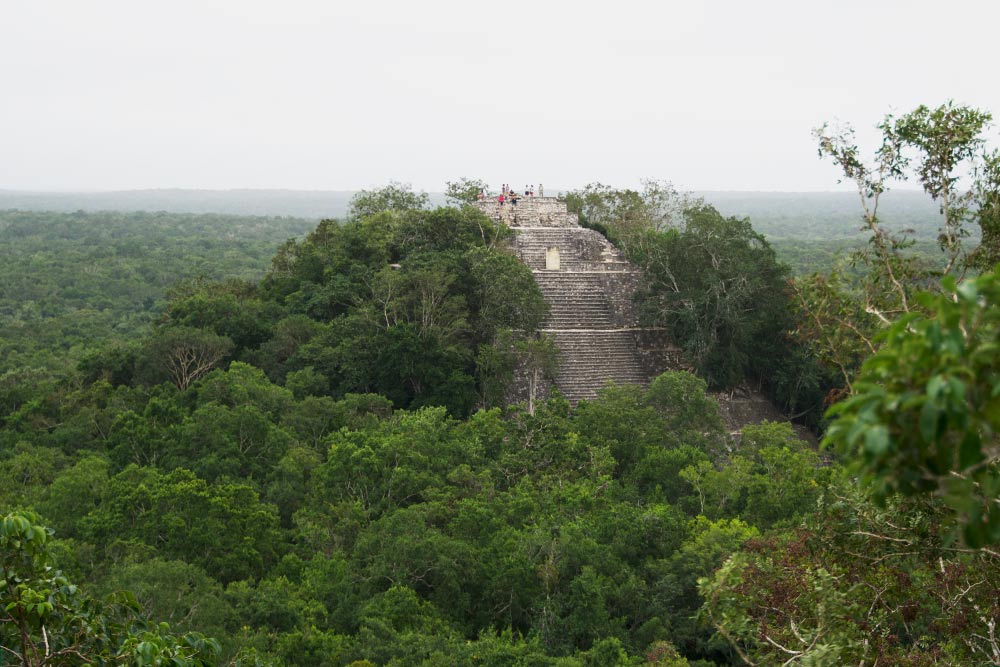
658 206
940 148
717 287
392 197
465 190
185 354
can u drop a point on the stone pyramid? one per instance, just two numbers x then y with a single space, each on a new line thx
588 285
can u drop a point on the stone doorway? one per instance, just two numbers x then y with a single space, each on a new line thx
552 259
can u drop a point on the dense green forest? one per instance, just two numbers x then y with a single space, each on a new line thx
312 205
71 281
804 216
318 464
808 230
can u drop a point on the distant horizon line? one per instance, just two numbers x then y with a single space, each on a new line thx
433 192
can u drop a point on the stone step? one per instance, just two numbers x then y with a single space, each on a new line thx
589 359
568 312
592 313
591 277
584 322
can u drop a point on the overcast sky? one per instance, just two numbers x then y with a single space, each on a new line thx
335 95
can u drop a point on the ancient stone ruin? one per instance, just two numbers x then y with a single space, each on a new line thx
588 285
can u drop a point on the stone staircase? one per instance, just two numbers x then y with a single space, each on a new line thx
593 357
576 301
588 285
580 249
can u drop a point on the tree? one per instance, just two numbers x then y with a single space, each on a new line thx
230 309
771 477
538 360
172 591
185 354
925 414
223 528
503 293
706 546
219 441
717 287
653 433
47 620
987 212
392 197
628 213
858 585
404 305
465 190
77 490
946 139
843 313
396 462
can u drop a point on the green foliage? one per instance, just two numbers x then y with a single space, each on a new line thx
76 491
653 434
626 212
926 412
319 531
46 620
465 190
172 591
716 285
230 310
772 477
987 212
403 303
182 354
27 470
854 585
321 491
538 358
842 313
223 528
392 197
74 283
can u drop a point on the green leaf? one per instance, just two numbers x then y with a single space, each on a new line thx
970 451
929 417
145 650
935 385
957 389
877 440
968 291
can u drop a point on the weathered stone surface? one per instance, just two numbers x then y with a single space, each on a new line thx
592 316
743 407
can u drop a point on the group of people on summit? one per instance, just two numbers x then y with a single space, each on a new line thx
508 193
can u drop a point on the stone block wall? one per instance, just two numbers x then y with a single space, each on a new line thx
530 212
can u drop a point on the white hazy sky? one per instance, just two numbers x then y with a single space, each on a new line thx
102 95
